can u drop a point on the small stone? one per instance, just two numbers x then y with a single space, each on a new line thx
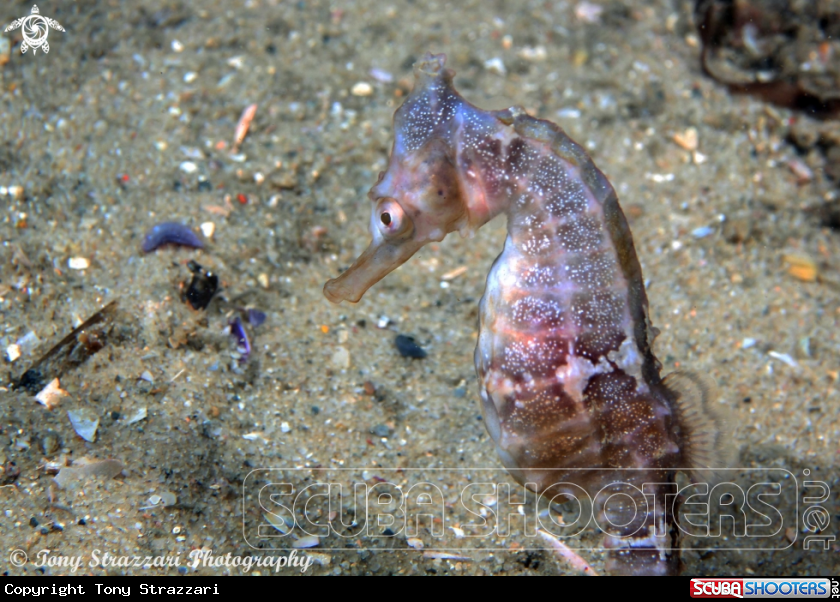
381 430
409 348
495 65
341 358
50 443
284 427
78 263
177 46
188 167
263 280
190 77
362 89
804 133
702 232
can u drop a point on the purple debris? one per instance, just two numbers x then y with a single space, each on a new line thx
255 317
237 330
170 233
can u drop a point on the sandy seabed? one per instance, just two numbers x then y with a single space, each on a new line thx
129 121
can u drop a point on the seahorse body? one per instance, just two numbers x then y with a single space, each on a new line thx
571 390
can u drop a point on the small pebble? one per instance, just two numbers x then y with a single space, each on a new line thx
362 89
381 430
284 427
190 77
747 343
256 317
408 348
341 358
188 167
495 65
78 263
383 322
702 232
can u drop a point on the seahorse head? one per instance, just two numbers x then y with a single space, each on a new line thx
418 199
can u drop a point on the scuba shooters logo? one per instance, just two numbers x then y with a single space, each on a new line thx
763 588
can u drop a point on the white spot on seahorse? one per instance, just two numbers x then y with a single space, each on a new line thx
576 373
629 359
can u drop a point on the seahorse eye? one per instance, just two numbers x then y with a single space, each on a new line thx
393 222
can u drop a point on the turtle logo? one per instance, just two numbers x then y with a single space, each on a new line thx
34 28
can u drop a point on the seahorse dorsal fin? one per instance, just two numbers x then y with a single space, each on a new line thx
707 442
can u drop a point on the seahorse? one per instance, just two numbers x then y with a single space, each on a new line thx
571 391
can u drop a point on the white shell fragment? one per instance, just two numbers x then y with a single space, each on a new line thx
309 541
12 352
276 522
51 395
139 415
78 263
208 229
495 65
85 423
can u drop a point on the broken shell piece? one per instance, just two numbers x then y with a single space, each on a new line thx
801 267
208 229
308 541
139 415
78 263
12 352
85 423
51 395
88 469
687 139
